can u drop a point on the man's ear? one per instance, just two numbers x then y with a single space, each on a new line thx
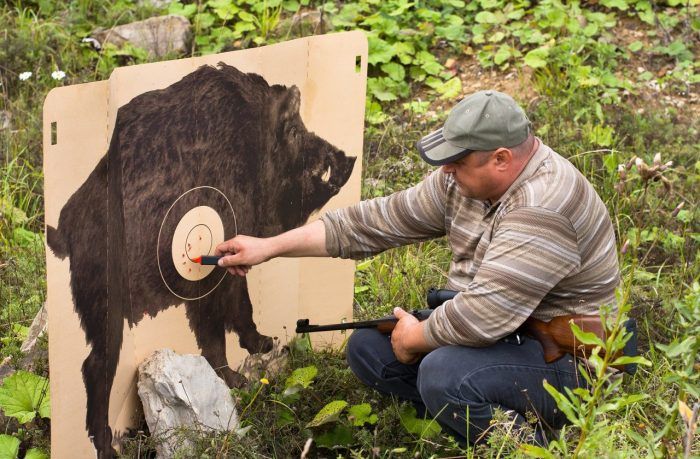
503 158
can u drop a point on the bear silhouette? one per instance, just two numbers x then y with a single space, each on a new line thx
239 141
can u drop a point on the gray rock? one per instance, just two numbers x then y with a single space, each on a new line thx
183 391
159 35
36 330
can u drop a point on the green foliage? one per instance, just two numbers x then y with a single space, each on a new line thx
221 24
36 453
301 378
9 447
423 428
12 341
361 414
683 353
400 35
24 238
329 413
339 435
25 396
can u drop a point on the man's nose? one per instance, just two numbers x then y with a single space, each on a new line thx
448 168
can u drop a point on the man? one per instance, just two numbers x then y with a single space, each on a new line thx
529 237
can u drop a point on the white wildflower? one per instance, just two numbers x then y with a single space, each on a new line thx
58 75
25 76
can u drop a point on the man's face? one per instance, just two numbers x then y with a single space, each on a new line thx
475 175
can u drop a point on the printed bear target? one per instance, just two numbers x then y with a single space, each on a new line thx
153 168
198 220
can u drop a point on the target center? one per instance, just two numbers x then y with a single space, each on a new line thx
199 242
198 233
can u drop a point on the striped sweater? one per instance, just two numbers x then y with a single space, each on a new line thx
545 248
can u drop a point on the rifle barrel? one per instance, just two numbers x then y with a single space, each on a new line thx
303 325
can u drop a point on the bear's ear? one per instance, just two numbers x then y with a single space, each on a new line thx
289 105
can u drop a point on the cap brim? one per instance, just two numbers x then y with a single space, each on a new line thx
436 151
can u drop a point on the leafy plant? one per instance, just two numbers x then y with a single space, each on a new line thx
24 396
362 414
220 24
36 453
683 352
423 428
301 378
329 413
342 429
9 446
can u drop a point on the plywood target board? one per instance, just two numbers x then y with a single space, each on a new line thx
154 167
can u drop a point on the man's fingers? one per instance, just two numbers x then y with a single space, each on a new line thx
230 260
399 313
222 248
236 271
225 247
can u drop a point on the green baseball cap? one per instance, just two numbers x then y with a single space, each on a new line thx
486 120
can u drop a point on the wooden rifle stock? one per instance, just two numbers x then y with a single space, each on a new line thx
557 338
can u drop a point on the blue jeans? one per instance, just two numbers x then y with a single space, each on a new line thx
452 381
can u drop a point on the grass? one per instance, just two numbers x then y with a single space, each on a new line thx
599 122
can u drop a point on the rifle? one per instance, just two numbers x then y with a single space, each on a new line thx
385 324
555 336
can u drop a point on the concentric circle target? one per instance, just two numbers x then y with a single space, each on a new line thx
198 220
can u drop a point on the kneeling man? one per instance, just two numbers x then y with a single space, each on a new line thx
529 237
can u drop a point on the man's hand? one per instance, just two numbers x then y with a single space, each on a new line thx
407 339
242 252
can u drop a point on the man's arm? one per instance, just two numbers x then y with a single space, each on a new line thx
357 231
404 217
242 252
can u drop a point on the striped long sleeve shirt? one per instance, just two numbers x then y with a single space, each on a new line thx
545 248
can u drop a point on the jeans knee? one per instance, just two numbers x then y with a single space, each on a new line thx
441 383
361 349
433 383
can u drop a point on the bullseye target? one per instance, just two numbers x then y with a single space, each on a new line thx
198 220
